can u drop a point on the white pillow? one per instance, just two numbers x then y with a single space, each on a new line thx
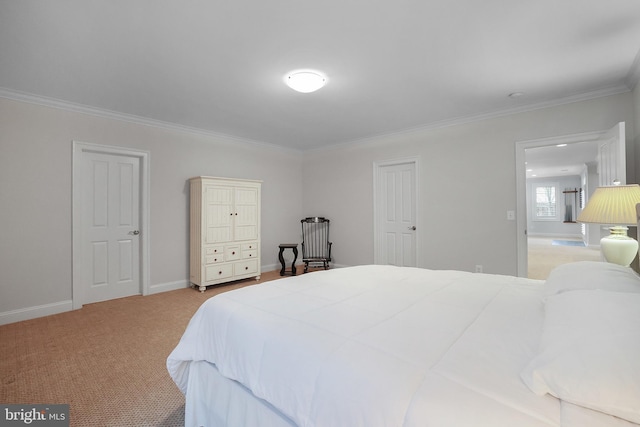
591 275
590 352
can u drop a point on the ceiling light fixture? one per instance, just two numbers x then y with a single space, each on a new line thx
305 81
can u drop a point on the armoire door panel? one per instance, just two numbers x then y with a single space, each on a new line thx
247 232
218 234
246 196
219 195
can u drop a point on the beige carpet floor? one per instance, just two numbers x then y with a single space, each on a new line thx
107 360
544 257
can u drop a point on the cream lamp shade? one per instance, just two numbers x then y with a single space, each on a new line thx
616 206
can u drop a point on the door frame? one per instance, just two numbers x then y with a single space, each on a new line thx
377 227
521 187
78 148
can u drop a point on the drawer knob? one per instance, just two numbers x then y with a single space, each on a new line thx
233 253
219 272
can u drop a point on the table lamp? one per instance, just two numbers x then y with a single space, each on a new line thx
616 206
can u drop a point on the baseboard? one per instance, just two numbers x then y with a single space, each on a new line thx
278 266
170 286
63 306
270 267
274 267
35 312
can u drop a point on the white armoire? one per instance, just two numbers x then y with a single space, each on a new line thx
225 230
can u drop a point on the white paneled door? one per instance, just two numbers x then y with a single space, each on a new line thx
396 214
612 160
111 232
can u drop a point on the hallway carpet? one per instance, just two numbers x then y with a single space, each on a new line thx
544 256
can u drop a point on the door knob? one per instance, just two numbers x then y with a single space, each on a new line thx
412 227
135 232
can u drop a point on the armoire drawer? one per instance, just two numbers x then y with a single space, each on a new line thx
212 259
253 253
246 267
213 250
232 252
217 272
250 246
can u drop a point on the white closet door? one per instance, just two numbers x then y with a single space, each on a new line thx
397 212
111 214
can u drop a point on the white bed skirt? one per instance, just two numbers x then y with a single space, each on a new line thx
216 401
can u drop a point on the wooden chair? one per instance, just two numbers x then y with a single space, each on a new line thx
316 247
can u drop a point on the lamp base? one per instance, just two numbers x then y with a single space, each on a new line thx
618 248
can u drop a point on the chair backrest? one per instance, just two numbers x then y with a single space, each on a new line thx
315 238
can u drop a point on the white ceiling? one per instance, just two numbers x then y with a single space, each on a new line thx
218 65
551 161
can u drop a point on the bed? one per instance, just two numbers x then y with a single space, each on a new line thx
395 346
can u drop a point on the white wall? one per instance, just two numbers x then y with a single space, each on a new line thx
35 195
467 182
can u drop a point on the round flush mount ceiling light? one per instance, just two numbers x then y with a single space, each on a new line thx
305 81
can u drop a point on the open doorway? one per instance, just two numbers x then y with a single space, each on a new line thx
555 177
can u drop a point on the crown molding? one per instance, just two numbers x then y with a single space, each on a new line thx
131 118
600 93
632 77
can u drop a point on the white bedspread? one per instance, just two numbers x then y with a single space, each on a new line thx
382 346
